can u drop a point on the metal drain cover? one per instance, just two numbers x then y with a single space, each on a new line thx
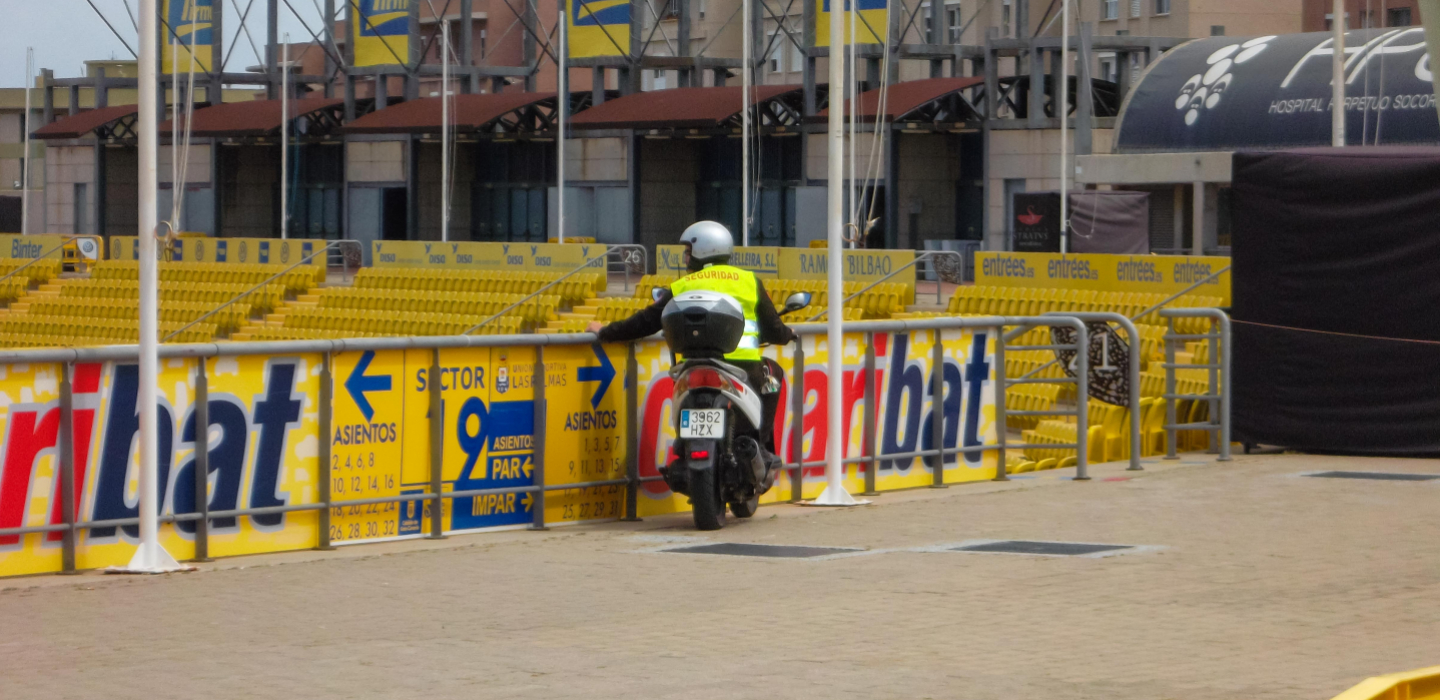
774 551
1376 476
1049 549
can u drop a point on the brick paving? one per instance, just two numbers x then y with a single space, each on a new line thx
1264 585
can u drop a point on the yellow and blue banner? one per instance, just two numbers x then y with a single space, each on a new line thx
187 36
259 251
382 31
598 27
872 26
1102 272
264 445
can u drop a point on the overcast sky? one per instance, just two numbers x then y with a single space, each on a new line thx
66 33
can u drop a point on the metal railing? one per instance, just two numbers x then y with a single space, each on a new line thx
1132 334
624 253
956 266
1081 380
326 504
630 259
1217 392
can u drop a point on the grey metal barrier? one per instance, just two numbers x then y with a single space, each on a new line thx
630 259
1081 380
869 455
1217 393
1133 370
326 503
71 523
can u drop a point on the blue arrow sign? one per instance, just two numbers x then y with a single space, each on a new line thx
603 374
358 384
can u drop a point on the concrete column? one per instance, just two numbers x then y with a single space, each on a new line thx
382 91
1197 214
1036 109
1178 238
597 86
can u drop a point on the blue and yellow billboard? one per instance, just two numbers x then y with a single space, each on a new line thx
382 31
873 24
188 36
598 27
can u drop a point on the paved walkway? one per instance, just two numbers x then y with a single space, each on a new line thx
1264 585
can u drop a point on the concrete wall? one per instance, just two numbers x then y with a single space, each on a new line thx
1032 154
67 166
669 169
929 168
375 161
429 191
817 158
597 160
249 177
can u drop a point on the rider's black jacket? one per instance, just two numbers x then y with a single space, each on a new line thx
646 322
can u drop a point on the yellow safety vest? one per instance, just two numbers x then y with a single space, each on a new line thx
738 284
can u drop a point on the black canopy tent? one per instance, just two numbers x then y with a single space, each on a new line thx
1337 299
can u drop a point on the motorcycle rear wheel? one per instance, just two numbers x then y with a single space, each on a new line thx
705 503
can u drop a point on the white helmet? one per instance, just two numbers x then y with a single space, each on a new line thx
707 243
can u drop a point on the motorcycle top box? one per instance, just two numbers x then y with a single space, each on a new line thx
703 324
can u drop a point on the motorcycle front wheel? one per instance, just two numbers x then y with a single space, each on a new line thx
705 503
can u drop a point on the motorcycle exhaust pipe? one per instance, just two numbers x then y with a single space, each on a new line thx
747 452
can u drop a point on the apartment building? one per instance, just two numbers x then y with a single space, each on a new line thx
1361 14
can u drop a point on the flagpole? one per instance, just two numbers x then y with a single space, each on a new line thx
835 493
150 557
285 136
562 102
747 78
445 130
1337 78
1063 111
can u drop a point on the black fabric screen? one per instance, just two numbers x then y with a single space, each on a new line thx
1336 276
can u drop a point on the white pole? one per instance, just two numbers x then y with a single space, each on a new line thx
1063 111
149 557
445 130
285 136
174 132
835 493
854 93
25 160
562 101
746 81
1337 66
1430 18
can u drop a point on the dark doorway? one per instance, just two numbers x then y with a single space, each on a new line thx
970 189
394 214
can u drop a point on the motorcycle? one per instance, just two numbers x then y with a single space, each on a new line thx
719 460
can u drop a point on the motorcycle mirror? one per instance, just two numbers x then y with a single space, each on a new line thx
797 301
656 293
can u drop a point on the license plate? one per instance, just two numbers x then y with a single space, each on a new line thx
702 423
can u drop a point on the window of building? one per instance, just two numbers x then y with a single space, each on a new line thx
1109 68
927 11
1005 15
1398 17
775 63
1135 8
482 43
953 25
701 7
1110 9
1217 30
1162 7
797 57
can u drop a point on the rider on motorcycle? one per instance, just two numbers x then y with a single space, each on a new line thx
708 246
